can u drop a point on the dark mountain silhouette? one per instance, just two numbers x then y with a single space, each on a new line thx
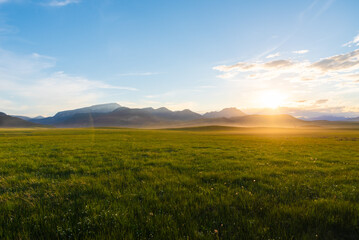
164 113
126 117
7 121
225 113
63 116
113 115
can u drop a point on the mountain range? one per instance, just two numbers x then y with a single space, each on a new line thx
115 115
7 121
332 118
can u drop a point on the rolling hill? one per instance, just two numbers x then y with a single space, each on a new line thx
7 121
282 120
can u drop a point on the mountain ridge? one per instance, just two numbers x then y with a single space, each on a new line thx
115 115
7 121
226 112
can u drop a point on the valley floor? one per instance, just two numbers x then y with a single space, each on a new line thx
200 183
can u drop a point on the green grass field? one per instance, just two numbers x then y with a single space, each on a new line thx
202 183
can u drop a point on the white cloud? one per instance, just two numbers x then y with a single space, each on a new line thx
247 67
333 78
264 70
28 85
273 55
301 51
343 62
354 42
335 65
57 3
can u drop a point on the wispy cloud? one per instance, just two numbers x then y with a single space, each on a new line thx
273 55
138 74
321 101
52 3
354 42
57 3
29 85
333 77
301 51
342 63
324 8
313 11
250 67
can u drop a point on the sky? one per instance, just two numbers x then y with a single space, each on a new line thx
296 57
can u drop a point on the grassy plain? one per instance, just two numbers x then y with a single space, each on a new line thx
202 183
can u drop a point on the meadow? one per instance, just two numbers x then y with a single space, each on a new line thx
199 183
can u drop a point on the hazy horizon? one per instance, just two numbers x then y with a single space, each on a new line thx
297 58
298 113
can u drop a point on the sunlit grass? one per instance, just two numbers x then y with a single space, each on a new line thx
206 183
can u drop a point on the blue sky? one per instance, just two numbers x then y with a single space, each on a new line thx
297 57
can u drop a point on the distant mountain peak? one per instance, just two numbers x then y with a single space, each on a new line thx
186 110
225 113
100 108
163 109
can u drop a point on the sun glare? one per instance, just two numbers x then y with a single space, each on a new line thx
271 99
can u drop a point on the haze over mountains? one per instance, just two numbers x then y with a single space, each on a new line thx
115 115
226 113
331 118
7 121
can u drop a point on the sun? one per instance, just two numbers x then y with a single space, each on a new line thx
271 99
